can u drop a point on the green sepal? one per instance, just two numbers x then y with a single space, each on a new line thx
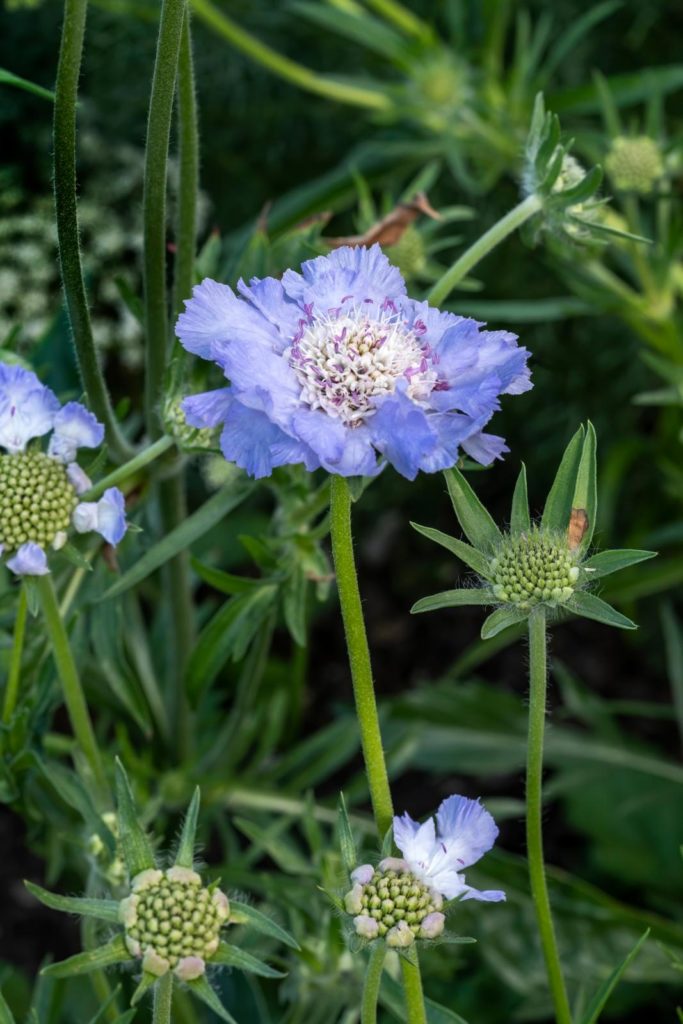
184 858
103 910
233 956
501 619
469 555
520 521
75 557
606 562
347 843
452 599
30 585
597 1004
242 913
476 522
558 504
586 487
137 850
201 988
114 952
146 982
592 607
583 190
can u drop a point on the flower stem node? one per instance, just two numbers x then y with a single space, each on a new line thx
635 164
533 568
392 897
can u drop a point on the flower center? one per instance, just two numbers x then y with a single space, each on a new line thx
36 499
393 896
346 360
532 568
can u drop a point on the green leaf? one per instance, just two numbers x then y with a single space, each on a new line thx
347 842
476 523
567 41
391 998
469 555
606 562
146 982
137 850
243 913
6 1016
625 89
558 504
294 594
605 991
114 952
179 539
586 488
525 311
501 619
452 599
201 988
7 78
185 856
578 193
233 956
520 521
592 607
225 582
103 910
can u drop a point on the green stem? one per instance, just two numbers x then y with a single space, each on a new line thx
402 18
71 684
483 246
12 691
538 677
373 980
188 158
359 653
412 987
154 206
163 998
129 469
64 145
341 92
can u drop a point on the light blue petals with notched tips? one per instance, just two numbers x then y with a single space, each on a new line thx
74 427
106 516
29 560
27 408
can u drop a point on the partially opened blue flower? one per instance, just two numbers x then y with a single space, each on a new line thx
39 489
336 367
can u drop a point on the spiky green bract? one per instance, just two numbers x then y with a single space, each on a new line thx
185 855
137 849
534 565
114 952
102 910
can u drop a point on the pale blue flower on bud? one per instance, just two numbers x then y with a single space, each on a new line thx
394 864
106 516
363 874
74 427
30 560
432 926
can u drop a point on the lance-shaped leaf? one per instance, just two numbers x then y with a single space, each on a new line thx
520 521
103 910
476 522
501 619
347 842
452 599
114 952
558 504
586 488
465 552
145 984
185 855
6 1016
233 956
242 913
605 991
137 850
592 607
606 562
203 991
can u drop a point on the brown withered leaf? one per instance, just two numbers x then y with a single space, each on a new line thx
389 230
578 524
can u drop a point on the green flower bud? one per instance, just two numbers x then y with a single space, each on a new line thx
393 902
635 164
409 253
534 568
37 500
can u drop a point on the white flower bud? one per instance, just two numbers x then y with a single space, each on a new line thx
145 879
366 926
189 968
363 874
432 926
400 936
353 901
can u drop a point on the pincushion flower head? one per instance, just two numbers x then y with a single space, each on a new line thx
170 923
402 899
39 489
336 367
543 565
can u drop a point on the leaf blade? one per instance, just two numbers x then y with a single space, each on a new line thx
476 522
609 561
558 504
501 619
245 914
520 520
469 555
184 857
605 991
114 952
452 599
233 956
102 910
137 850
592 607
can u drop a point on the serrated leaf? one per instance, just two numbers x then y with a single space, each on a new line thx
243 913
586 487
605 991
233 956
114 952
592 607
347 843
476 523
103 910
203 991
520 521
501 619
606 562
452 599
136 847
146 982
185 855
465 552
558 504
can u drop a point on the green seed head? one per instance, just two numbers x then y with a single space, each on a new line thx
36 499
393 901
635 164
534 568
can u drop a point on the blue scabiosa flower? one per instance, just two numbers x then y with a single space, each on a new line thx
39 490
336 367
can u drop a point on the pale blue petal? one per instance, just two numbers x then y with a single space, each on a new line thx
263 380
215 316
256 444
351 274
208 409
29 560
475 367
466 829
401 431
27 408
485 448
74 427
271 300
111 516
484 895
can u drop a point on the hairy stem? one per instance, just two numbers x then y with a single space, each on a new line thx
412 987
373 980
64 146
538 678
129 469
12 690
163 998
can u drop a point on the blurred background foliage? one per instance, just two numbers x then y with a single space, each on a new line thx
448 95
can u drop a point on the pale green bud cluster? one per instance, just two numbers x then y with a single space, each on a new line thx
186 435
570 175
36 500
408 254
113 868
396 906
173 922
635 164
533 568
